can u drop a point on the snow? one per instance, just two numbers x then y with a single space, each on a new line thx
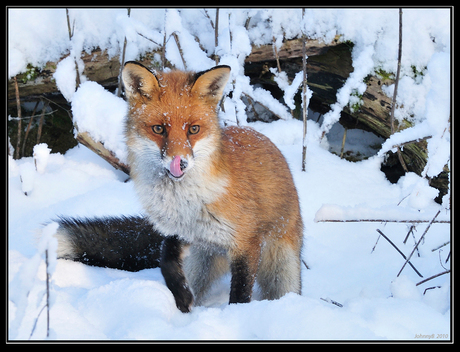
99 303
102 114
348 262
41 156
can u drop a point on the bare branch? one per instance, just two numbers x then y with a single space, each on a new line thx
393 103
47 295
122 61
71 32
304 97
216 36
277 57
18 105
143 36
328 300
420 240
176 38
402 254
433 277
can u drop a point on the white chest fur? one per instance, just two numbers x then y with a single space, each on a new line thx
180 208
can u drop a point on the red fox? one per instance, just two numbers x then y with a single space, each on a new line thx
223 199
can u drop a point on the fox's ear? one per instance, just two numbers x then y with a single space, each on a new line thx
139 81
211 83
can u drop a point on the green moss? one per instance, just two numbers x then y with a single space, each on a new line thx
416 72
384 75
356 101
30 74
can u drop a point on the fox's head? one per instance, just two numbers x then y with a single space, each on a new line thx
172 122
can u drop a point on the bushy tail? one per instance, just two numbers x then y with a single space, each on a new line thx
127 243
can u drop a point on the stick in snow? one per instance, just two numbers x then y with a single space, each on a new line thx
420 240
304 97
122 60
433 277
328 300
393 103
402 254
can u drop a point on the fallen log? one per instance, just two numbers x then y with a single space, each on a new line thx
99 148
99 67
328 66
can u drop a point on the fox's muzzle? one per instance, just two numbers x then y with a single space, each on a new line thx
177 166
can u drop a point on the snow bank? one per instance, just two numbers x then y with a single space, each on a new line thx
103 115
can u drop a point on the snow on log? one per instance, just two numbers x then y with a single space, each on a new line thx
337 213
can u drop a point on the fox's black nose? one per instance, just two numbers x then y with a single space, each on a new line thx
183 164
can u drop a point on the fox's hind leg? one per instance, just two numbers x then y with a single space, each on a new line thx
279 270
202 267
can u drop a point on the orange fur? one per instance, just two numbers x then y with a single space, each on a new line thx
236 193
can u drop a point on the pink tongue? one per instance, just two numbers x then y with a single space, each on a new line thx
174 168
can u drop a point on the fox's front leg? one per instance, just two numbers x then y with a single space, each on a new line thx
243 266
171 268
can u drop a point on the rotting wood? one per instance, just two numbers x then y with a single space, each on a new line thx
290 49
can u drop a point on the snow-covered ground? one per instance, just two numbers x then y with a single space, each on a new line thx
345 262
98 303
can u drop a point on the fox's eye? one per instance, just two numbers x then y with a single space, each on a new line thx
194 129
158 129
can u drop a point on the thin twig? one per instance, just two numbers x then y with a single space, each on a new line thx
71 32
122 60
216 37
402 254
143 36
433 277
420 240
47 295
277 57
18 105
163 51
304 97
393 103
210 20
28 127
343 142
306 266
42 120
36 321
411 229
176 38
442 245
47 304
328 300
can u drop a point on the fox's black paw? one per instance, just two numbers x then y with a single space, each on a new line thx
184 300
